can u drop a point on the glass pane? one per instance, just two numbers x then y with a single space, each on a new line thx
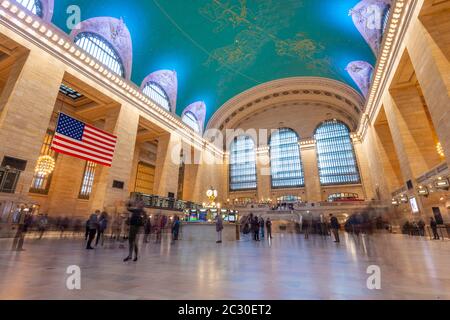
242 164
335 154
101 50
285 162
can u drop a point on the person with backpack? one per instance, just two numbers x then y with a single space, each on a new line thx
135 222
334 224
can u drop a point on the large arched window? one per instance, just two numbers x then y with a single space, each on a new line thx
35 6
101 50
157 94
285 162
335 154
191 120
242 164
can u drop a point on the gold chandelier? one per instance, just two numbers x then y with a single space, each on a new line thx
45 165
440 150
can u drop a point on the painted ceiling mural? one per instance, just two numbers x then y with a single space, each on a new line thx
220 48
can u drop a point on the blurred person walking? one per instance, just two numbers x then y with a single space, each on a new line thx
42 225
175 228
269 228
219 228
261 226
92 225
334 223
135 222
433 226
102 226
147 228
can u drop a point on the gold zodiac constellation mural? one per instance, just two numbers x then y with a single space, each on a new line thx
256 27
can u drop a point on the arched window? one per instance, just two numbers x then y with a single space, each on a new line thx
285 162
335 154
101 50
157 94
242 164
191 120
35 6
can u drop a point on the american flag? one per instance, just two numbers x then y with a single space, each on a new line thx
81 140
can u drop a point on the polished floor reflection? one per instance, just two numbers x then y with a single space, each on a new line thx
288 268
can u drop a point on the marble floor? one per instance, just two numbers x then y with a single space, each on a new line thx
289 267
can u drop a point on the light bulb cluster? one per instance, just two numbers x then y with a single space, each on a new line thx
45 165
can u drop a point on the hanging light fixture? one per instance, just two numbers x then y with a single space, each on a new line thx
45 165
440 150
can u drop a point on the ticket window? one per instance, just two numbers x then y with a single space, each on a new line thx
145 178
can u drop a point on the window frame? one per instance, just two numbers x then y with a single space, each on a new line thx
114 55
352 152
231 163
87 180
302 185
194 118
32 4
149 85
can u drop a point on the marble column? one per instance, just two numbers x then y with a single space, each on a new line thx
432 68
26 106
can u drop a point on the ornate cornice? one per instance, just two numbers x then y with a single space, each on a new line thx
400 18
296 89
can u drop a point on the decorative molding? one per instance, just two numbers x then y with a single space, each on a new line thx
401 14
60 45
305 90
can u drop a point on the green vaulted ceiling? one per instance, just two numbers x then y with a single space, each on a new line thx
220 48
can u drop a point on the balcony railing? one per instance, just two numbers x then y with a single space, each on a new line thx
157 202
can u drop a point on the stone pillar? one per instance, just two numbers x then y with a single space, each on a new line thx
122 122
263 174
404 144
364 171
311 172
167 164
26 106
432 69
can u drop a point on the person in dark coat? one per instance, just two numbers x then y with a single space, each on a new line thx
433 226
135 222
219 227
334 224
255 228
269 228
92 225
175 228
102 225
147 228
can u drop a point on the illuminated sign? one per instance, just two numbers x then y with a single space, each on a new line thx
414 206
442 184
